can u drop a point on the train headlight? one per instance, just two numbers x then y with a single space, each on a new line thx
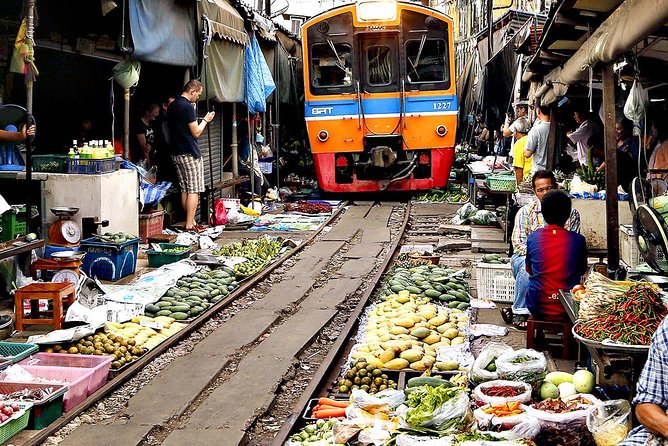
376 10
323 135
441 130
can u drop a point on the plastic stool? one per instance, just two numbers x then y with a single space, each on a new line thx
57 293
536 328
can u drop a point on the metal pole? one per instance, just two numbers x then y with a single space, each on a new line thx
235 143
126 125
490 29
552 139
611 204
30 29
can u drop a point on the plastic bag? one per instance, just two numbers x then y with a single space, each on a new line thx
523 396
564 429
528 429
489 421
388 399
463 214
579 186
636 103
219 216
524 365
452 413
483 218
376 436
488 354
610 422
413 440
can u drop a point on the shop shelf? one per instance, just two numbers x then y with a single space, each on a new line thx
14 351
13 426
99 365
77 382
109 261
159 258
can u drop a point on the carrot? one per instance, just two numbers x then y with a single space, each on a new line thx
330 413
331 402
325 407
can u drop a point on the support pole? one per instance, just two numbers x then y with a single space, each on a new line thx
126 125
30 29
552 139
611 204
235 142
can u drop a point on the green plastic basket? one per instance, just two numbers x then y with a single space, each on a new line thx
42 416
158 258
49 163
13 427
14 351
502 183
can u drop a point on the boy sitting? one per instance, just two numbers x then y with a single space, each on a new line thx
556 259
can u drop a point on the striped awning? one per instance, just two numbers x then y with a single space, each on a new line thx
226 22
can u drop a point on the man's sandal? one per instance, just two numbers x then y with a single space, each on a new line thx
507 315
520 322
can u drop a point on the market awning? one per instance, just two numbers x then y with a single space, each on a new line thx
226 23
163 35
632 22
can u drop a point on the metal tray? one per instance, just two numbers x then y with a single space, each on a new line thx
610 345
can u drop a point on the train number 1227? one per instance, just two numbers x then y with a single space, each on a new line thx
442 105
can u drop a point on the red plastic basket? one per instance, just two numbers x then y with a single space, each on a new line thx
77 382
150 224
99 365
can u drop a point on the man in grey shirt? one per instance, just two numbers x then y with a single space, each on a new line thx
537 139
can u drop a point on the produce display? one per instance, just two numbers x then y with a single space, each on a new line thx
557 405
308 208
8 411
257 253
494 259
124 350
28 395
141 332
329 408
629 318
313 434
599 291
504 410
452 193
175 250
193 294
116 237
365 376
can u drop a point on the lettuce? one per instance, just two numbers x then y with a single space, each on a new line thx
425 400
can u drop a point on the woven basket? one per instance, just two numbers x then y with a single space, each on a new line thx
501 183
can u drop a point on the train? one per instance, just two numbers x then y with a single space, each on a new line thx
380 100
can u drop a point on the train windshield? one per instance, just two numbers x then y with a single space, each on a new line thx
426 60
380 66
331 65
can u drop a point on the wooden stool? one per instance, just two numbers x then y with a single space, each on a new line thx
57 293
536 328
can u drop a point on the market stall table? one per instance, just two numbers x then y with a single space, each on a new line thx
482 186
608 362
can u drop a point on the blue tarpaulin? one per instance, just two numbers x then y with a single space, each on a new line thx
259 83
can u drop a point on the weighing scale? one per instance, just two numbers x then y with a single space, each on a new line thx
64 234
66 265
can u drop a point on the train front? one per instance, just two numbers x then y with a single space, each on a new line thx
380 102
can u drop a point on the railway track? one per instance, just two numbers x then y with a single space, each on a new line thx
393 216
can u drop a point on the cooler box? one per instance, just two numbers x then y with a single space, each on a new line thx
109 261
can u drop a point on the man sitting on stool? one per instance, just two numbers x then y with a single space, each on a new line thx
528 219
556 259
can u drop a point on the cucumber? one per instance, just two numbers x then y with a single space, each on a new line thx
432 293
413 290
183 308
179 316
164 313
428 381
164 303
397 288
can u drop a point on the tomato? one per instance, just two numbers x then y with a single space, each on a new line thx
577 288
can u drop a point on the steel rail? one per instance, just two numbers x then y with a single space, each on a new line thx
161 348
333 358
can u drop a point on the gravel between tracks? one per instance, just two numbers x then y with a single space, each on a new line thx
264 428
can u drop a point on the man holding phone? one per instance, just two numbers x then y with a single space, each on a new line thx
184 129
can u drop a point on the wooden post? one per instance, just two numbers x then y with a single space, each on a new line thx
126 125
552 139
611 205
235 143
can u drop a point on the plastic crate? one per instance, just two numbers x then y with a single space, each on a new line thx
109 261
13 223
495 281
100 365
502 183
49 163
13 426
150 225
45 411
91 166
628 246
14 351
157 258
77 382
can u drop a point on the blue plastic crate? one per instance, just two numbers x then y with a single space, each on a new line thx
109 261
91 166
